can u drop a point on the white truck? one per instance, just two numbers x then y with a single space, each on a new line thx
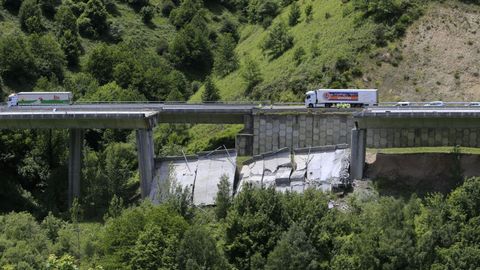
333 97
39 98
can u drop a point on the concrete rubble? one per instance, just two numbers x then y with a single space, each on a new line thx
200 174
324 168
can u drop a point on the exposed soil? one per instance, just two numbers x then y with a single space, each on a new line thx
403 174
438 59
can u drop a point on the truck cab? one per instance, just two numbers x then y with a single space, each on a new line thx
12 100
310 99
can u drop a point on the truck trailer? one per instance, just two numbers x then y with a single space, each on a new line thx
332 97
39 98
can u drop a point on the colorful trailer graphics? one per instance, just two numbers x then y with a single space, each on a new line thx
341 96
333 97
39 98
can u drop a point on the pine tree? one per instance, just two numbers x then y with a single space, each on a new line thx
294 15
211 92
308 13
225 58
223 199
251 73
30 16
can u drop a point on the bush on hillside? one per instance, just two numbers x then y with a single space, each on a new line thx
48 7
185 12
16 60
147 13
71 46
48 55
294 15
190 49
30 16
210 93
262 11
66 20
93 21
225 59
251 73
277 41
12 5
308 13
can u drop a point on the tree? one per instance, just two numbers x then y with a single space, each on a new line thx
12 5
113 92
185 12
277 41
190 48
101 62
93 21
71 47
251 73
16 60
293 251
147 13
211 91
66 20
48 7
294 15
223 199
225 58
30 16
308 13
48 55
198 250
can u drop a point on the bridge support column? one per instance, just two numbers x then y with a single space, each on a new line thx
75 164
146 161
358 151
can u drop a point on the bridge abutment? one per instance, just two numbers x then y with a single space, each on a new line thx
75 164
358 148
145 150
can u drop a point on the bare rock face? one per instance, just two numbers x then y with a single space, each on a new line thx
438 59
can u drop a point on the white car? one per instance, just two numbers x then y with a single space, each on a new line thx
435 104
474 104
403 104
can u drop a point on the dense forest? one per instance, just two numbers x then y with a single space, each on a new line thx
195 50
258 229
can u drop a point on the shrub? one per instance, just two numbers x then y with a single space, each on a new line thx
48 55
308 13
294 15
147 13
277 41
71 47
30 16
93 21
225 58
66 20
15 58
251 73
210 92
298 55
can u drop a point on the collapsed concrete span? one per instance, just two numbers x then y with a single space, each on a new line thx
324 168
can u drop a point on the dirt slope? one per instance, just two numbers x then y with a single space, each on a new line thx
439 58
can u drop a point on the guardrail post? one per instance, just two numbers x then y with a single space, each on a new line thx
358 151
146 161
75 164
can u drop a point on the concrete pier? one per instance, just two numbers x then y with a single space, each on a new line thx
75 164
358 148
146 161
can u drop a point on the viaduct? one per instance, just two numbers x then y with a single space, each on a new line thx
265 128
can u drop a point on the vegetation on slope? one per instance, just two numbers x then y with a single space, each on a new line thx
258 229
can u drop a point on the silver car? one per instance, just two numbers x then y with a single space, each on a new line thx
435 104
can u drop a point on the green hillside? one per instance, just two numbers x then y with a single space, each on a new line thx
335 32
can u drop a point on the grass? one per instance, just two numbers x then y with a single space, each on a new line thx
423 150
337 36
